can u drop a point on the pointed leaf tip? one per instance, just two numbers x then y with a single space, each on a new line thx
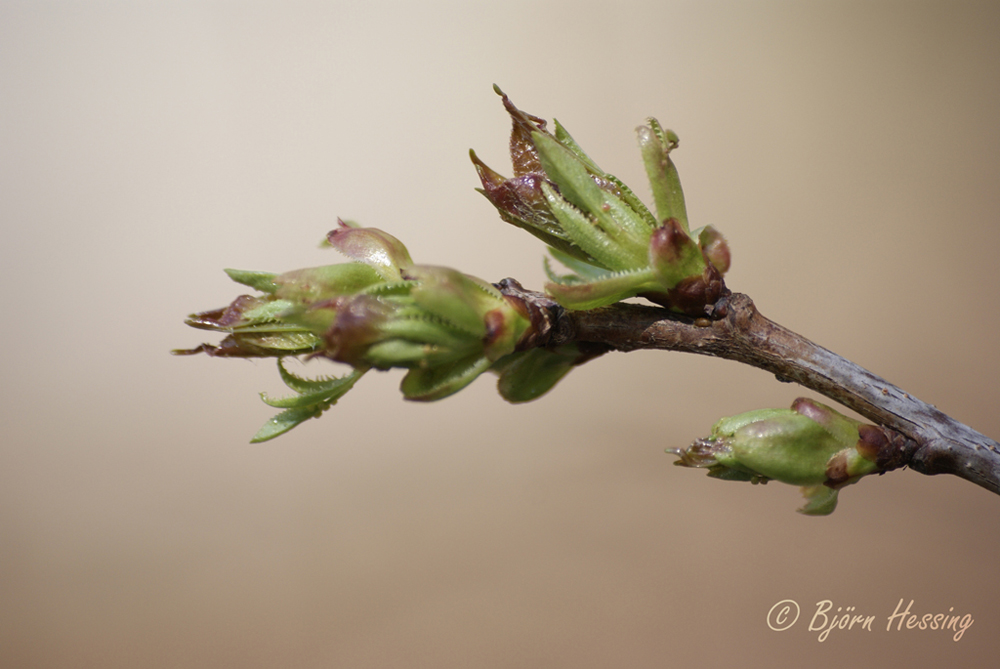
262 281
283 422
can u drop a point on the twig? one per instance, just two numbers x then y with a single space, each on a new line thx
933 442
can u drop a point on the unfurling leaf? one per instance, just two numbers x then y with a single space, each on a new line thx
589 217
315 396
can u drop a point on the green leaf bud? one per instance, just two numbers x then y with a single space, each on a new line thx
445 327
809 445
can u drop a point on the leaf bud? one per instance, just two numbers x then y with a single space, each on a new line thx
810 445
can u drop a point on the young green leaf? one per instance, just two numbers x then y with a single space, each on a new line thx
527 375
601 292
655 145
317 396
262 281
426 384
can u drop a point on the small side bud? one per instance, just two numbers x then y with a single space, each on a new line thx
714 245
810 445
673 254
691 283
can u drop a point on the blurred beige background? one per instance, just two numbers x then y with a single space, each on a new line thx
849 151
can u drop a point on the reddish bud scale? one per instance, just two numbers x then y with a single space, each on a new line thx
355 328
230 347
836 472
693 296
668 242
887 448
815 411
871 442
520 197
524 155
540 311
226 317
371 246
496 327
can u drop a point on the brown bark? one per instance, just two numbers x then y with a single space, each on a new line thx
931 443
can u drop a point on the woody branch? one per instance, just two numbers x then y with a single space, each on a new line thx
931 442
